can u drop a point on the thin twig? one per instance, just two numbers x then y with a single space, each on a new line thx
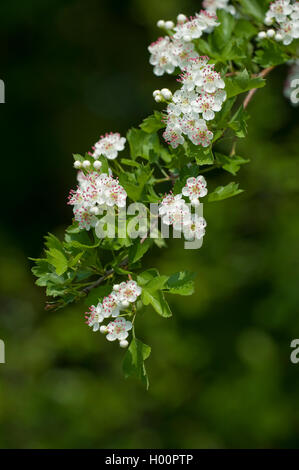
252 92
99 281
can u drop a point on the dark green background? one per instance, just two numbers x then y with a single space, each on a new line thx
220 370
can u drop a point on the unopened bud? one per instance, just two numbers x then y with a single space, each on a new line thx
161 24
77 164
103 329
181 18
169 24
270 33
262 35
124 343
86 164
97 164
167 95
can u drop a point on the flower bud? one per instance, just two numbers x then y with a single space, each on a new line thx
103 329
262 35
124 343
268 21
158 98
125 303
77 164
270 33
161 24
278 37
167 95
97 164
169 24
155 93
116 287
181 18
86 164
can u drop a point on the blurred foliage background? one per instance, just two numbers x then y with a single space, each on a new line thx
220 370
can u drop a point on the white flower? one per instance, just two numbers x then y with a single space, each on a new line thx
174 211
295 12
128 292
213 5
189 122
195 228
202 135
173 136
94 317
162 56
171 203
194 189
93 191
279 11
206 105
183 100
111 305
178 218
118 329
109 146
210 80
288 32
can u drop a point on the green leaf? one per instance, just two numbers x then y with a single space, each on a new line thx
187 172
223 32
57 259
181 283
133 364
202 155
147 146
128 162
270 53
157 300
225 192
255 8
138 250
242 82
245 29
153 123
231 164
97 294
238 123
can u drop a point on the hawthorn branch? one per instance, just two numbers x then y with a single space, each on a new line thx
262 74
101 279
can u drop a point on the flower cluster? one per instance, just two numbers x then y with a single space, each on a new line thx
109 145
119 299
284 17
195 26
175 211
211 6
95 191
173 51
201 95
167 54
